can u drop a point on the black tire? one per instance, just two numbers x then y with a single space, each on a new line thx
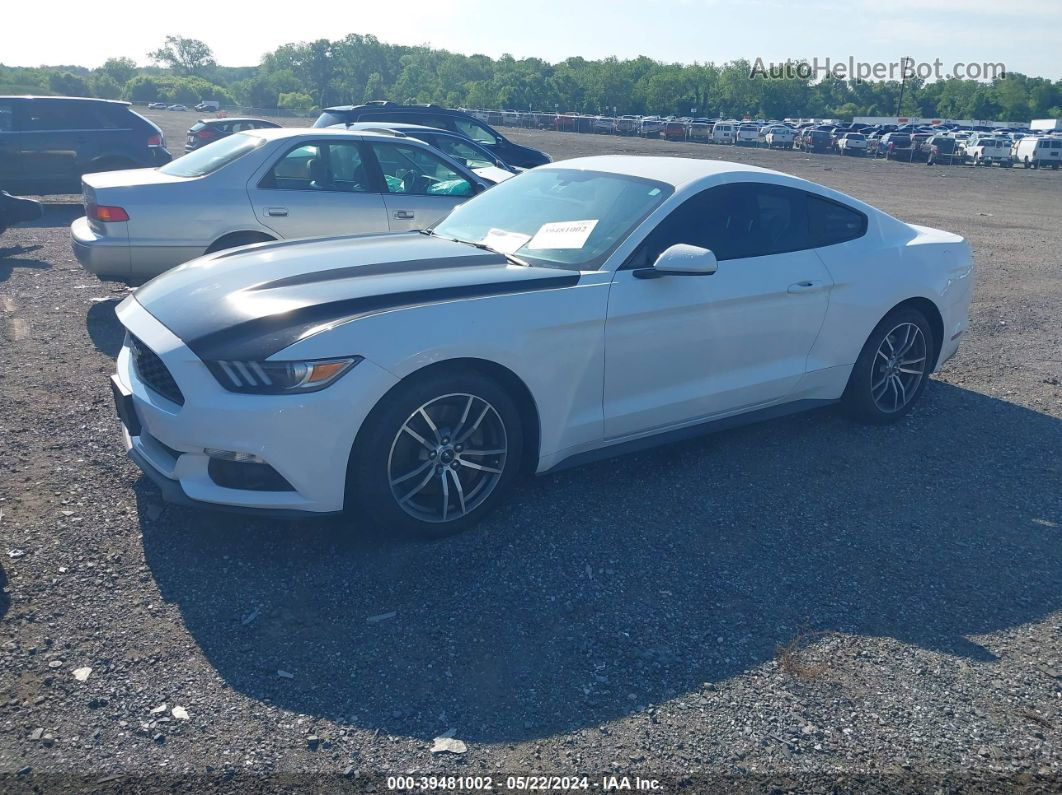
859 399
382 441
238 239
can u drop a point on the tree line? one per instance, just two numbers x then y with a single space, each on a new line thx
357 68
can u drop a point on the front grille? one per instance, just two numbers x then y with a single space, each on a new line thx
153 372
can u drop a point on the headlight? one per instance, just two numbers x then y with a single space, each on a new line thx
280 378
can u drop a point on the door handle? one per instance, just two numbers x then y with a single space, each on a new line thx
276 211
403 215
806 286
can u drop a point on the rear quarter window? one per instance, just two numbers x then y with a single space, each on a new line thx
830 222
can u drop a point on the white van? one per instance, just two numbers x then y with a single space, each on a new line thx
723 132
1038 151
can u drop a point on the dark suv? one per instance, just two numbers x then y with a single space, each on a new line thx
435 116
47 143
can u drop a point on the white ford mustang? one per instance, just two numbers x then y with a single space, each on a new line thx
577 310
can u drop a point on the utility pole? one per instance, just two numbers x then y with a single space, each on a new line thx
903 82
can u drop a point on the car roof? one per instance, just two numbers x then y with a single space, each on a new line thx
396 125
675 171
66 99
273 133
237 118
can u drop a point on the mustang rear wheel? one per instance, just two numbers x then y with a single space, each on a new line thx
437 453
892 369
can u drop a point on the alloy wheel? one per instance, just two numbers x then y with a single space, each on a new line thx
898 368
447 457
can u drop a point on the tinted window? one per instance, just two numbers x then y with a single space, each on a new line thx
735 221
830 223
208 159
49 116
328 119
415 170
477 132
336 166
465 152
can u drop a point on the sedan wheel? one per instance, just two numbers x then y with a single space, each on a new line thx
436 454
447 458
892 369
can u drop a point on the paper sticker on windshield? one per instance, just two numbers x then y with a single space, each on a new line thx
505 242
562 234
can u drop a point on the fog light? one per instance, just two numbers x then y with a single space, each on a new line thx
231 455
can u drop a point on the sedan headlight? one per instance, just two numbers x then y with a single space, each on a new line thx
280 378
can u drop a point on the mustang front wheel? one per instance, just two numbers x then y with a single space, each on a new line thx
437 453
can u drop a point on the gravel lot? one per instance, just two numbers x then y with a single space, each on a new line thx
797 604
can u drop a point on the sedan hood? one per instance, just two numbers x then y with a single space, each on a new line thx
251 302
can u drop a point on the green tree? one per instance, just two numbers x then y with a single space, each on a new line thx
121 70
68 84
105 87
184 56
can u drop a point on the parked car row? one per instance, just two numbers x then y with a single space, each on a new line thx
940 145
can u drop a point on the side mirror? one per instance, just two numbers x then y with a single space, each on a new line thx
681 260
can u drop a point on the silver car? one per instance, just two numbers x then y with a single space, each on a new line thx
263 185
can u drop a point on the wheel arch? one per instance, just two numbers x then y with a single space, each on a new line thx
509 380
929 310
227 240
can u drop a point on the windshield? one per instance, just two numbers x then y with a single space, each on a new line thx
211 157
557 217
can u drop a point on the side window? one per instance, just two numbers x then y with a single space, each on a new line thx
776 222
49 116
476 131
831 223
7 117
462 151
296 169
324 167
347 168
735 221
703 220
415 171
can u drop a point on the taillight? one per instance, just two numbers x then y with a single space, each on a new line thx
155 140
205 135
100 212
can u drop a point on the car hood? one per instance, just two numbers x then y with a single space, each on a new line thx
493 174
252 302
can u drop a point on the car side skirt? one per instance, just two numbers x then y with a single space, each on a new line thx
688 432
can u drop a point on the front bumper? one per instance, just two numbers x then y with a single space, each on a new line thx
306 438
104 255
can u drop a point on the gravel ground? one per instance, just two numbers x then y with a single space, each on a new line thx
802 604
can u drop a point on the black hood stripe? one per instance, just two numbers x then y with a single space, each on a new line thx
273 245
259 338
382 269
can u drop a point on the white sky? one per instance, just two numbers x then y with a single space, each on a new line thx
1023 34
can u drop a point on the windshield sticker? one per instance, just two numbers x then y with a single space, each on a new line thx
505 242
562 234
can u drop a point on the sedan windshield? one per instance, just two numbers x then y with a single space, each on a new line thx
558 217
211 157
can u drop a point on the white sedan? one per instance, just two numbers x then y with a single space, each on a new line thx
260 185
578 310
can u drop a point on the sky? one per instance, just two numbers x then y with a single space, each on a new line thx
1022 34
